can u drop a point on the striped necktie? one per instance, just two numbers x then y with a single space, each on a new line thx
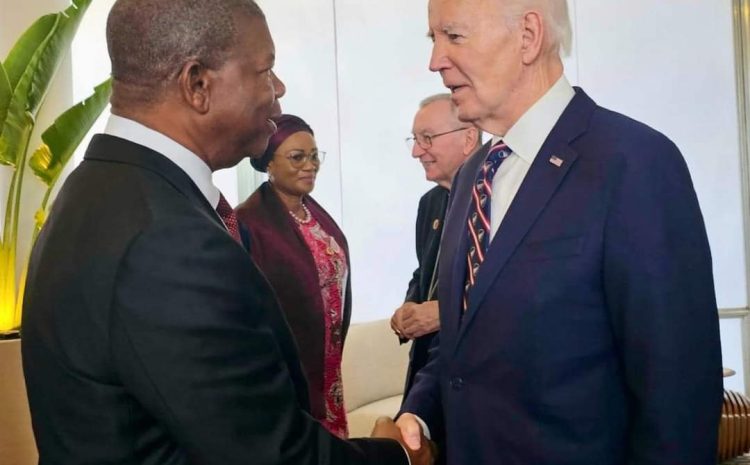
229 217
479 214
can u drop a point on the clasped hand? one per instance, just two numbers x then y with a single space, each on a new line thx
409 434
412 320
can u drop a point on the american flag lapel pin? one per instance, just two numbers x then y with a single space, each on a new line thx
555 160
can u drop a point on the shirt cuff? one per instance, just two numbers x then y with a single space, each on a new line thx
425 429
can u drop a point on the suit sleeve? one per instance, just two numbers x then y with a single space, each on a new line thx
423 399
659 289
193 341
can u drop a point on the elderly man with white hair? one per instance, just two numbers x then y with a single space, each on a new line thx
577 309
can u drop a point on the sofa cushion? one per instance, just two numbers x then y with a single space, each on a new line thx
362 420
374 364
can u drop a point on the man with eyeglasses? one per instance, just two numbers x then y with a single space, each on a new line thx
441 143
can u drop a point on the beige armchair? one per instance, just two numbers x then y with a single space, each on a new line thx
373 371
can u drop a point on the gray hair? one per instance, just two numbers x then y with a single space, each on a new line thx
556 18
447 97
437 98
150 40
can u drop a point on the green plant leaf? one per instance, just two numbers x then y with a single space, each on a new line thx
44 64
63 136
20 55
32 85
15 136
17 123
6 92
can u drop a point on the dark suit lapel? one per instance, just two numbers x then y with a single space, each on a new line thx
547 171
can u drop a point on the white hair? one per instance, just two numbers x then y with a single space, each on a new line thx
438 98
556 20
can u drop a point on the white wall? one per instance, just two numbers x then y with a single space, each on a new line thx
356 69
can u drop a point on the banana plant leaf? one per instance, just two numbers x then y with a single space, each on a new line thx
17 122
31 85
6 92
63 136
20 55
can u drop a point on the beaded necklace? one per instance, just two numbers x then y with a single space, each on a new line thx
299 220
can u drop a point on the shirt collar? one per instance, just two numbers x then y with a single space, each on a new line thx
187 161
526 137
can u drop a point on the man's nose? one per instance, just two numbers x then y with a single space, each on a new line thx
278 86
438 59
417 151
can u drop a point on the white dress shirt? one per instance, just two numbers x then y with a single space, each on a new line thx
187 161
525 138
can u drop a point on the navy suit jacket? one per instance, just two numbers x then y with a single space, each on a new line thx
591 336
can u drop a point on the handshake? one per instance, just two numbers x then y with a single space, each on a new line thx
408 433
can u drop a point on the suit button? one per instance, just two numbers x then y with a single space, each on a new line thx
457 383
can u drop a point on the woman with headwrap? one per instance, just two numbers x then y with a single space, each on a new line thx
305 257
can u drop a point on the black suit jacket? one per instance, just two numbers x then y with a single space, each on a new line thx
591 336
149 337
429 228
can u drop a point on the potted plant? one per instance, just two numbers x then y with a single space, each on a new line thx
25 77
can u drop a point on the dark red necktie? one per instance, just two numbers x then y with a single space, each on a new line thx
478 224
229 217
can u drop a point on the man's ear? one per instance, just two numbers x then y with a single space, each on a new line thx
194 83
470 142
533 30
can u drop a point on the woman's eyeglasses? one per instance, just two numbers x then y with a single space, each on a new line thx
298 158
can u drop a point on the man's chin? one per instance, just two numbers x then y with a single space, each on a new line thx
466 114
257 150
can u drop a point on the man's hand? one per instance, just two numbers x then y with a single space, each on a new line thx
411 430
397 324
414 320
421 451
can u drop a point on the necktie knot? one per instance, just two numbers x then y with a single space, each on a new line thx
498 153
229 217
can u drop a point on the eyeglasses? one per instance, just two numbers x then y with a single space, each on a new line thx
425 140
298 158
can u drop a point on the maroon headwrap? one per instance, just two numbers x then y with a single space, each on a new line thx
287 125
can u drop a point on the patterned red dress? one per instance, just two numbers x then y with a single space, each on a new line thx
330 261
